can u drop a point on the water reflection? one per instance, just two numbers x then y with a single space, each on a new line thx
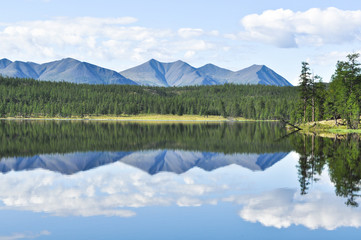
282 208
120 190
29 138
151 161
70 147
114 169
341 155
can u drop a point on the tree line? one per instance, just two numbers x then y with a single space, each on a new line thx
33 98
29 138
340 99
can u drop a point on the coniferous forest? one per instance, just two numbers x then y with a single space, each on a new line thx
339 100
311 101
32 98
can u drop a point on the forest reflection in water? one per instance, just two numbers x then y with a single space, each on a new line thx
69 147
178 147
28 138
340 154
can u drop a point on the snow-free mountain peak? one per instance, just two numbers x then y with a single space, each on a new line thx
150 73
155 73
179 73
67 69
4 63
211 69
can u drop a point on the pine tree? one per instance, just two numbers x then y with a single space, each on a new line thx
305 81
345 88
320 97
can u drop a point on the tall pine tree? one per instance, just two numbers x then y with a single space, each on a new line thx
305 83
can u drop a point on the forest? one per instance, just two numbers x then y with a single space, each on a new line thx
311 101
32 98
338 100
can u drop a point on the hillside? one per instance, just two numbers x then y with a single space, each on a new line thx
155 73
150 73
68 70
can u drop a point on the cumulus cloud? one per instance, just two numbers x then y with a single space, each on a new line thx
329 58
285 28
190 32
17 236
282 208
101 39
107 191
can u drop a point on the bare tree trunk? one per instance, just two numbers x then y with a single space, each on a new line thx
304 110
313 109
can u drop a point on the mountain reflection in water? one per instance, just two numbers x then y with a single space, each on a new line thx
151 161
70 147
99 169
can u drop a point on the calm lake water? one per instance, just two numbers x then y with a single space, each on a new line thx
117 180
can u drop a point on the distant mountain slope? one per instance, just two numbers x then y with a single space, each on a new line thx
151 73
255 74
155 73
20 70
4 63
151 161
260 74
69 70
221 75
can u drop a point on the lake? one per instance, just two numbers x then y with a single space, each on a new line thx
133 180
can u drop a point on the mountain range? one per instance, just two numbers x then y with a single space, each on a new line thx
150 73
68 69
151 161
155 73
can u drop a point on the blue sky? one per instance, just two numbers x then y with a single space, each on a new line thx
231 34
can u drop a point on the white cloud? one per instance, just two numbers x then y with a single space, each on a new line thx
100 40
329 58
189 54
61 37
190 32
285 28
230 36
17 236
282 208
107 191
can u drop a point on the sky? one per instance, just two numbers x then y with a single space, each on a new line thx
229 33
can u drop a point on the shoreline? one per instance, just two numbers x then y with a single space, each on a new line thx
321 128
326 127
139 118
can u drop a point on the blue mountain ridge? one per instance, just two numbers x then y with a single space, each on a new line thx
150 161
68 70
155 73
150 73
4 63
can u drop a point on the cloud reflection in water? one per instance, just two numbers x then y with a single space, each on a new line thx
119 189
